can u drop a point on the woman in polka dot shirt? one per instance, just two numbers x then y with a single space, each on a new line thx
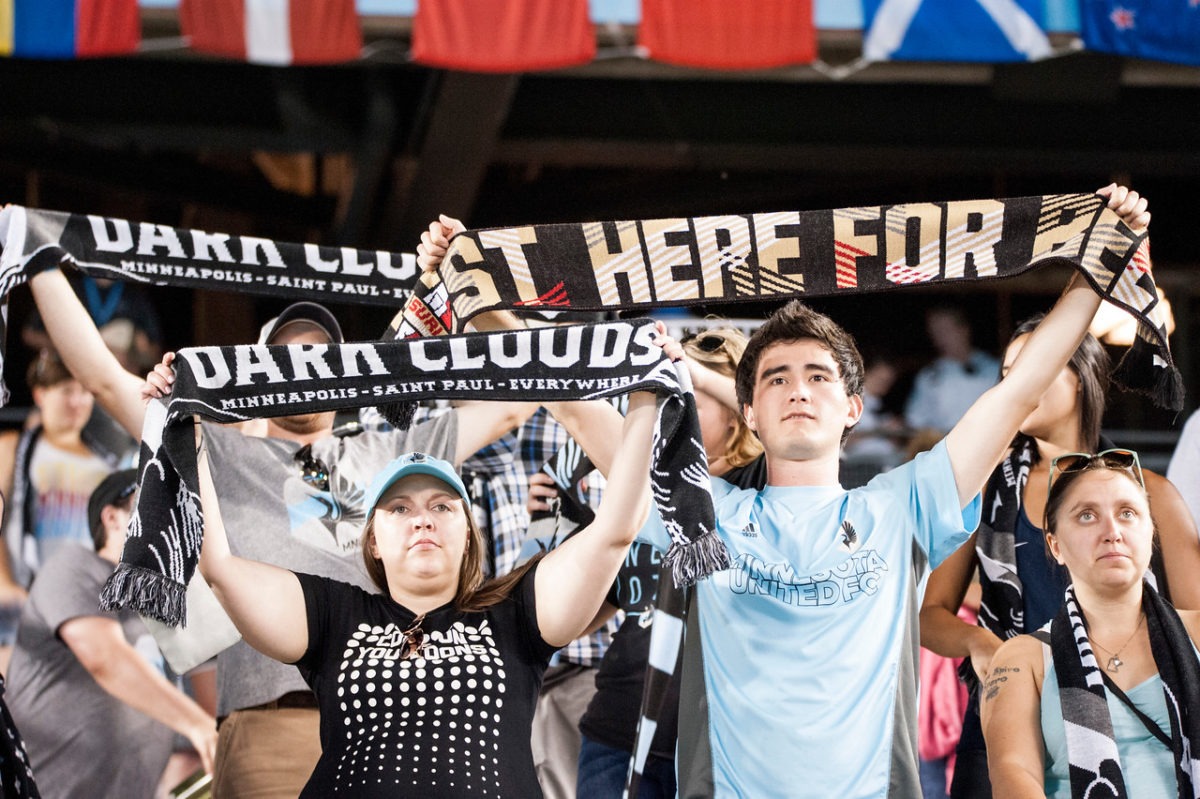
428 688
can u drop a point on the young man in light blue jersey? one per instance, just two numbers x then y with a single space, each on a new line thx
809 640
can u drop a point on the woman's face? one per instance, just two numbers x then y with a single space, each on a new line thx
1104 532
1058 405
65 406
420 531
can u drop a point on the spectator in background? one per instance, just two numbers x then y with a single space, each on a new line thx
878 434
944 389
1184 469
1022 589
95 713
49 471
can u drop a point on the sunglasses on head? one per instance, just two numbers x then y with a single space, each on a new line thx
313 471
1125 460
705 342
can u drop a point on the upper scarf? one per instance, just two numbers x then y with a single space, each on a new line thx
231 384
636 264
595 266
1093 759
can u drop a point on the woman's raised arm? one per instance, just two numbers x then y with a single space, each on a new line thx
572 580
265 602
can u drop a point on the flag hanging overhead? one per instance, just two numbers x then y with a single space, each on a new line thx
724 35
954 30
1164 30
69 28
508 36
276 32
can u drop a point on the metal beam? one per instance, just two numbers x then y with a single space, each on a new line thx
457 146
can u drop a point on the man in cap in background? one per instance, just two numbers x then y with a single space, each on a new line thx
95 713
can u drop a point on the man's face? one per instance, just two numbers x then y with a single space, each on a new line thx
302 333
799 407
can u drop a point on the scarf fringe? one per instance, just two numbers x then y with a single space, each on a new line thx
398 414
1138 372
147 592
697 559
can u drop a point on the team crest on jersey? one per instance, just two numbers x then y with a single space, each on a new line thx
849 536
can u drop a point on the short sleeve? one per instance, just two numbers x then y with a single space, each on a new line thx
525 598
318 600
68 587
942 524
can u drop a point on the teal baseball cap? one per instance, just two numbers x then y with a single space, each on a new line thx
413 463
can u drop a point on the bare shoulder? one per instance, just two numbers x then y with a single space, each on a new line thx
1156 484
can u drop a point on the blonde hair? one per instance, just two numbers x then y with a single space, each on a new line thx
742 446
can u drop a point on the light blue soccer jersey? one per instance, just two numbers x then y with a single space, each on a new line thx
809 639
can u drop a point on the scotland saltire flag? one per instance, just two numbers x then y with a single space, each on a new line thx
954 30
1164 30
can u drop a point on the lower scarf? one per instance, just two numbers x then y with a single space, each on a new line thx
232 384
1095 763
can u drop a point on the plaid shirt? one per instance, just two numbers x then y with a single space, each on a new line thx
497 477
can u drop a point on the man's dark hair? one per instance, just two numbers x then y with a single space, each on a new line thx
794 322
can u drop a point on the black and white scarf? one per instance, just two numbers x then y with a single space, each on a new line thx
231 384
33 240
1095 764
1002 608
594 266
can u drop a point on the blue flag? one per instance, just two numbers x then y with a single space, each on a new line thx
954 30
1164 30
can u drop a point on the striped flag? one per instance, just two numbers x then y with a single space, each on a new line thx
954 30
277 32
720 34
502 36
69 28
1163 30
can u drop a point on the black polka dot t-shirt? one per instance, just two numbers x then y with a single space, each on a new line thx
452 721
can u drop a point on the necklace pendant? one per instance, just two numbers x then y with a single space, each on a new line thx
1114 664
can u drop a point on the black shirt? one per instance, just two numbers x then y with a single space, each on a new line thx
453 721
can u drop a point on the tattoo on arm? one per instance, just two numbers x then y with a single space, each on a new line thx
997 678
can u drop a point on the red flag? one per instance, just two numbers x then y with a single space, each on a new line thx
107 27
507 36
274 31
721 34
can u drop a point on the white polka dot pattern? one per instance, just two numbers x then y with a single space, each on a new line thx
431 718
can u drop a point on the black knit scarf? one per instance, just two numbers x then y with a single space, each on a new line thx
159 255
1095 764
649 264
1001 608
229 384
